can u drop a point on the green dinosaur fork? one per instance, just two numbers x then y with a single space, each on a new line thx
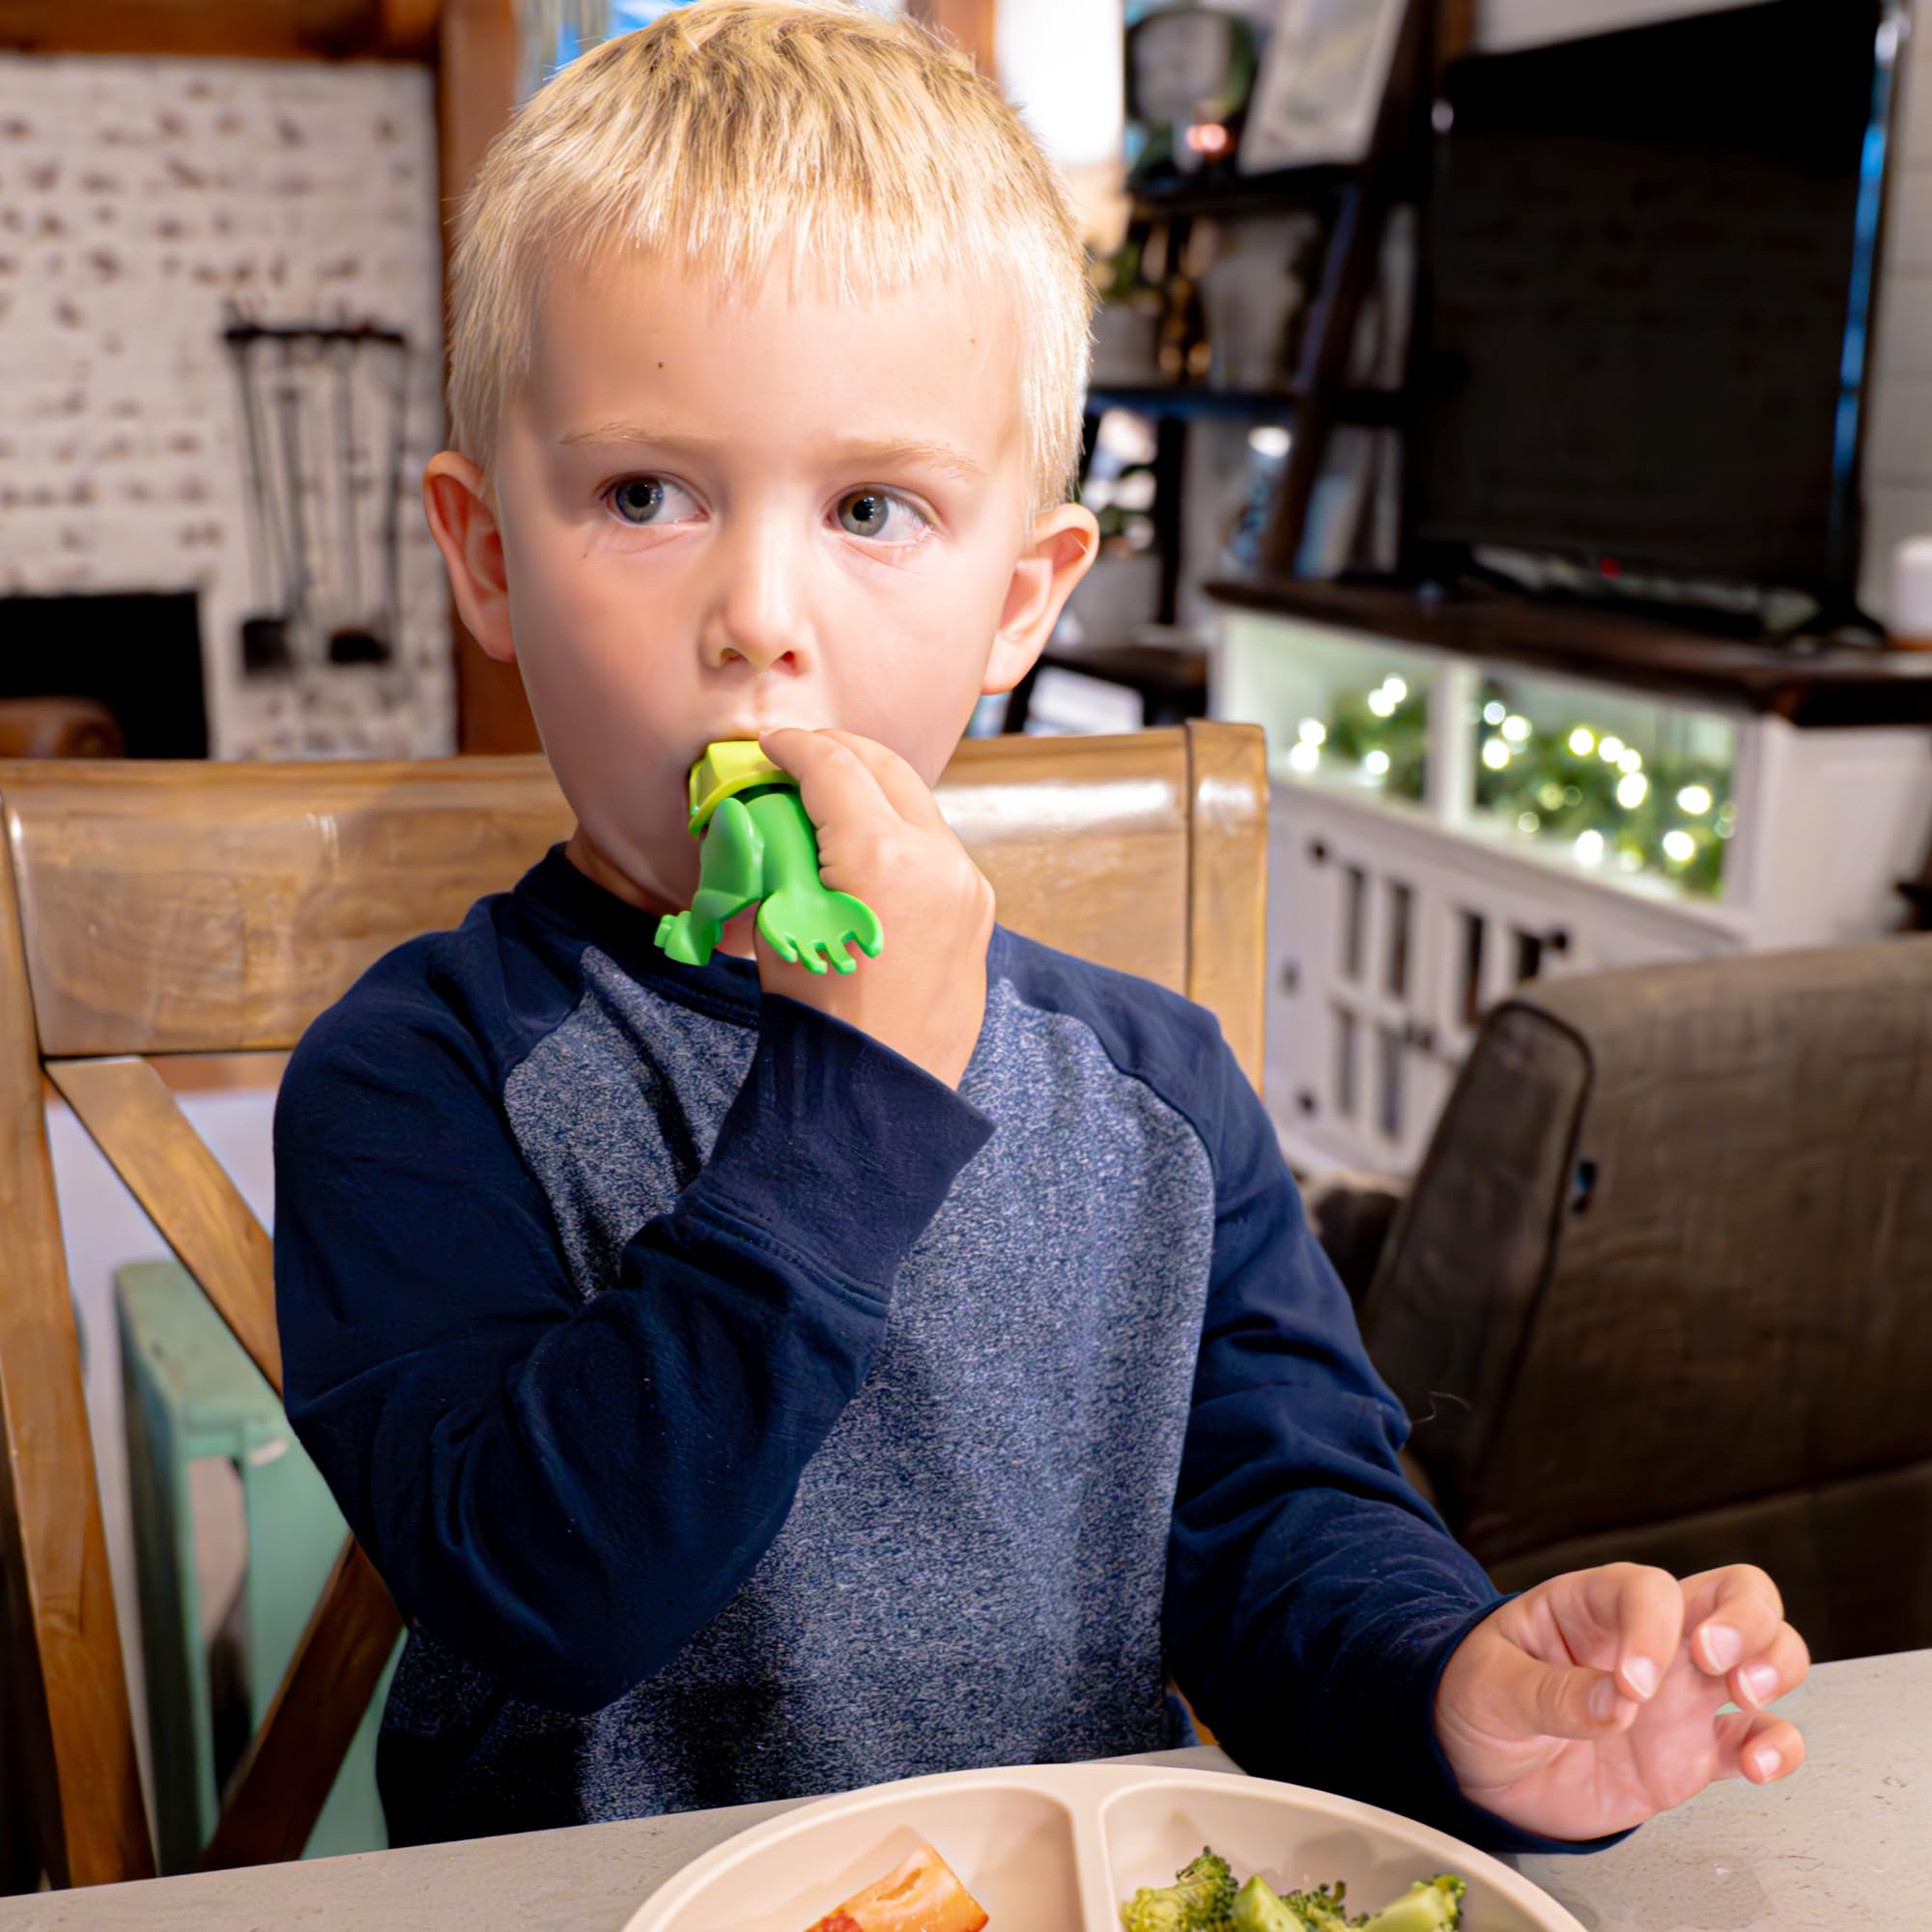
760 850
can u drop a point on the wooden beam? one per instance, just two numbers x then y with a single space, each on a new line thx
1456 30
476 94
249 29
968 23
410 27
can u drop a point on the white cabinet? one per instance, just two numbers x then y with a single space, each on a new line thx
1410 891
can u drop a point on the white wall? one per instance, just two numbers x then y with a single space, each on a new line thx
1505 24
1060 65
1898 428
139 199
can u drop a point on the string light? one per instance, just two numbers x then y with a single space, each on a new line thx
1313 731
1305 757
1615 818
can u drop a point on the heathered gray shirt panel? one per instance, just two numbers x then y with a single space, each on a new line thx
971 1571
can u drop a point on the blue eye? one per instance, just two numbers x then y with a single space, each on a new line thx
868 513
640 500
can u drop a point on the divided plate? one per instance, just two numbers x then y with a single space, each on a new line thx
1057 1848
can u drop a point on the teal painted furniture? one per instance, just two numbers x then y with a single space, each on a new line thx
191 1393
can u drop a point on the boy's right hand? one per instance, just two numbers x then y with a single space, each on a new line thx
883 838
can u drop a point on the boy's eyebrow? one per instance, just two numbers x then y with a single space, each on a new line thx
893 449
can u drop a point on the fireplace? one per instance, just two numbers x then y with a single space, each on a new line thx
136 652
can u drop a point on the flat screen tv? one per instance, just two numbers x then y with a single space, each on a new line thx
1650 277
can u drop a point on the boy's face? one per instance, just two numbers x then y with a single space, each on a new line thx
707 517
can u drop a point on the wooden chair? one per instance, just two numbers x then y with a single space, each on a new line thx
155 916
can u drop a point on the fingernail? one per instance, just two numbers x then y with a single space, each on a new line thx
1760 1683
1723 1645
1767 1760
1605 1697
1640 1675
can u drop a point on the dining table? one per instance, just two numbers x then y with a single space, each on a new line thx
1843 1845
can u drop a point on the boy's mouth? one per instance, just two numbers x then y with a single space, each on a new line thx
747 733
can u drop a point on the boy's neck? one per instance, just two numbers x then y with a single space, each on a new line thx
582 853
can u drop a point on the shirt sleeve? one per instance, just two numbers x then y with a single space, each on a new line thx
1313 1596
562 1490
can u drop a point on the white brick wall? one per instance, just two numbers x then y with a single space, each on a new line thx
139 200
1898 430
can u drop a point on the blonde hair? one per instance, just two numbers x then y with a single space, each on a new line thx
862 149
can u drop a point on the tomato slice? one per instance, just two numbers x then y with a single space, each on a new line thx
923 1894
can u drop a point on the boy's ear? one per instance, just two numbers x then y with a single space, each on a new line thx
1065 540
456 500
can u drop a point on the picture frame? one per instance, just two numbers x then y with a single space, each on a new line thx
1323 72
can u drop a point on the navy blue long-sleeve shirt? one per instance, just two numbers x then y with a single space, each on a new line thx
736 1411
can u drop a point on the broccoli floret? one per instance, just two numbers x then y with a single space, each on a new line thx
1201 1899
1322 1909
1256 1909
1428 1905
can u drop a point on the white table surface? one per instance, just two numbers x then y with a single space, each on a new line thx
1845 1844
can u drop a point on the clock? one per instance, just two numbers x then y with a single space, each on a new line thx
1189 72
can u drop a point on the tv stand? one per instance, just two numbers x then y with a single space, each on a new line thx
1807 680
1475 788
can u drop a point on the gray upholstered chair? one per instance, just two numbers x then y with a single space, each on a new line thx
1662 1287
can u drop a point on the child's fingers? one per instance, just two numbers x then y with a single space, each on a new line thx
837 788
1763 1679
1759 1748
902 786
1555 1701
1625 1616
1734 1613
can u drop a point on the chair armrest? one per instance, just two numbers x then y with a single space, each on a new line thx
1351 1216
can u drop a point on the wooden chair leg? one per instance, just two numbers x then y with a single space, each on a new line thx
62 1638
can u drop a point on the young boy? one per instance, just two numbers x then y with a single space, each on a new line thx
752 1383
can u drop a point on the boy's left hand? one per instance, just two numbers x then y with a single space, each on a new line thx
1592 1702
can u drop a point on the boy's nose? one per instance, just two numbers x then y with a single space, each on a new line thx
757 616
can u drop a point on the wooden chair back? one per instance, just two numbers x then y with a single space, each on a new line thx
151 914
